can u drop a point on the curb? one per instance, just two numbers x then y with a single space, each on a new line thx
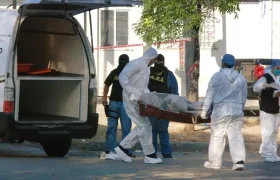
177 147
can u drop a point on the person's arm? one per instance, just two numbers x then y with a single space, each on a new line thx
172 83
260 85
105 94
109 80
244 93
129 70
211 92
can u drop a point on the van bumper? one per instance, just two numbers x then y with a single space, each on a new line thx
35 132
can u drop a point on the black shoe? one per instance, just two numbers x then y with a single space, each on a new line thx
131 155
167 156
240 162
126 151
154 155
239 166
107 152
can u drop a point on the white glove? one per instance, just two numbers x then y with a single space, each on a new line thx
132 97
203 114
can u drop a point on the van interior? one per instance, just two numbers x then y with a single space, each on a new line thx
51 73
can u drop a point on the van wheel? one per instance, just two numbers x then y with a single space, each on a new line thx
58 148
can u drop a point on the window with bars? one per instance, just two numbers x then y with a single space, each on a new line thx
114 27
207 33
121 28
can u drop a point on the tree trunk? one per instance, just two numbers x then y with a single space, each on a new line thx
193 94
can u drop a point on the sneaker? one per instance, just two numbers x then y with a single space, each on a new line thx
271 159
152 160
239 166
102 155
211 166
123 155
112 156
277 158
167 156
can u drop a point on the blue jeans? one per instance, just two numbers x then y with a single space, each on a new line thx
116 111
160 127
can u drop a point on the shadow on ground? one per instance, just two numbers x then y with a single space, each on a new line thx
181 139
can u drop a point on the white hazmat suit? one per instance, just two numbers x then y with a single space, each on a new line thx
134 79
227 91
269 124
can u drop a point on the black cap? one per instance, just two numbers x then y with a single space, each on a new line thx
160 57
123 59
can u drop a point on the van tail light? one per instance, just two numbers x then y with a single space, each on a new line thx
8 100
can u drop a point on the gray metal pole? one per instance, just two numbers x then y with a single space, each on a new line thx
98 45
14 4
85 23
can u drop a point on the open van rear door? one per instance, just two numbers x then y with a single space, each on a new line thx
67 7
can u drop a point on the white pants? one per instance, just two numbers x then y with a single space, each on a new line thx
142 132
232 126
269 130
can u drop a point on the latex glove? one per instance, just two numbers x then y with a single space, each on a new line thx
132 97
203 114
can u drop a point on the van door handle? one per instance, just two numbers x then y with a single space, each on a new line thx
1 50
92 76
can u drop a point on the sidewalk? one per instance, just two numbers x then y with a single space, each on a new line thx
178 147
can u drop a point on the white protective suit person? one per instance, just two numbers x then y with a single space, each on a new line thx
227 91
269 111
134 79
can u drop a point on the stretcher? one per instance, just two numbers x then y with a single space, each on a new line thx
182 117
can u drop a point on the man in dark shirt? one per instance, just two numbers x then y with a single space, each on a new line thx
115 110
162 81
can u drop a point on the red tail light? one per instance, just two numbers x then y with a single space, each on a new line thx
8 106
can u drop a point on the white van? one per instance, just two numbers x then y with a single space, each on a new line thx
47 73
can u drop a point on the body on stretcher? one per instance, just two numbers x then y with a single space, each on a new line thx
171 107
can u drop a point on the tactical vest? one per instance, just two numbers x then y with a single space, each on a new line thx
268 103
158 81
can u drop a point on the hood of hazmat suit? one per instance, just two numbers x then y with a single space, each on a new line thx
227 90
134 78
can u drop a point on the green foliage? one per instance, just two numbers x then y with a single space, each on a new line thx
165 20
